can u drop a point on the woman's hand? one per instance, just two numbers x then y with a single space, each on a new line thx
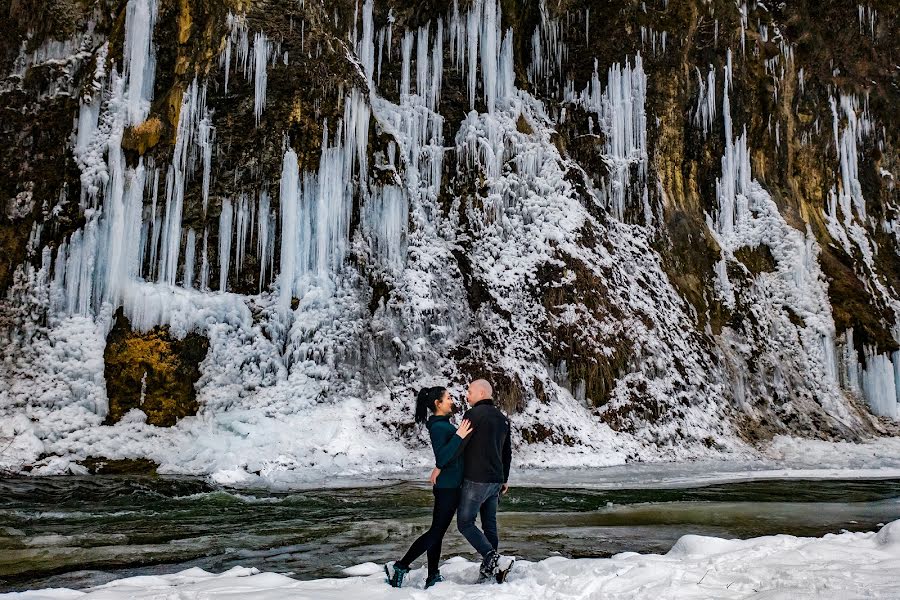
465 428
434 475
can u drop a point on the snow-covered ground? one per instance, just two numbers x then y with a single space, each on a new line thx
842 566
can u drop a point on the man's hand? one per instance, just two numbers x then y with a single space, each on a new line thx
465 428
434 475
504 488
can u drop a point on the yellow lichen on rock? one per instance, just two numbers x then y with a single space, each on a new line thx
143 136
184 22
152 372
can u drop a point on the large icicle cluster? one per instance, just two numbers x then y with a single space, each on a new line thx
622 118
418 251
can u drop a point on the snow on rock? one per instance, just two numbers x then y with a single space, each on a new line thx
781 567
372 287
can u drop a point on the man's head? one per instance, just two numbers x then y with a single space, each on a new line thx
479 390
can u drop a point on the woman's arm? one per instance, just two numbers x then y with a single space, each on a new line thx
445 446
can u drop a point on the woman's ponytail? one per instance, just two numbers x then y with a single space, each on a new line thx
425 400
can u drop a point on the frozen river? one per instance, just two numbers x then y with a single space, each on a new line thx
82 531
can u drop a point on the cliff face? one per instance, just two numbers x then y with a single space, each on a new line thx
663 230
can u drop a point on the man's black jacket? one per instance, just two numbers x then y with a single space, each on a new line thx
487 451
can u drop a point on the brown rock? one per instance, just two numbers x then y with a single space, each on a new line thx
153 372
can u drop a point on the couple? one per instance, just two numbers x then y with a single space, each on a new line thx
472 467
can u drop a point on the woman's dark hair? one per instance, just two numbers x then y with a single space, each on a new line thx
425 400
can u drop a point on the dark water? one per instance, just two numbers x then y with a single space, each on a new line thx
78 532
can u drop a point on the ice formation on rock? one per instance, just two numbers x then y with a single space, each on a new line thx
413 249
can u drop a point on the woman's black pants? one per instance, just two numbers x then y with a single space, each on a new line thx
445 502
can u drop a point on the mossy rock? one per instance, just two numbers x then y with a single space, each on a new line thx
153 372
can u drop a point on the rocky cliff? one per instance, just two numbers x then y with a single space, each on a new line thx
238 235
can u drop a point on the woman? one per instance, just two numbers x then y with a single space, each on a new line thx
445 440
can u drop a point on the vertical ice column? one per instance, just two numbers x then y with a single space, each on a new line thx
111 265
489 53
205 140
849 193
385 218
241 227
366 46
622 117
547 52
139 58
264 239
225 227
422 62
332 215
289 202
437 68
155 226
706 101
732 187
190 247
357 113
260 63
406 54
204 262
88 118
79 256
879 384
506 75
473 24
175 182
122 224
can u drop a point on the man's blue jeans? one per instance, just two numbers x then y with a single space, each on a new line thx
478 497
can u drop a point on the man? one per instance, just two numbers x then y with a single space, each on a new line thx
487 453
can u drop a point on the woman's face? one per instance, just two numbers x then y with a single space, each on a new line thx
444 406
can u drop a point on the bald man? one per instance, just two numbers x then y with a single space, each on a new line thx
487 454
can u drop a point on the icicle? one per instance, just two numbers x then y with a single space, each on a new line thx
406 53
733 186
189 250
506 74
204 263
139 58
385 218
366 47
332 211
547 51
437 68
225 232
849 192
289 203
175 182
472 29
622 116
205 141
241 227
263 251
879 383
357 114
706 101
489 53
422 63
88 116
380 54
155 225
261 57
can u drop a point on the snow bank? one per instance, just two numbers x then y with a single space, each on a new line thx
844 566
